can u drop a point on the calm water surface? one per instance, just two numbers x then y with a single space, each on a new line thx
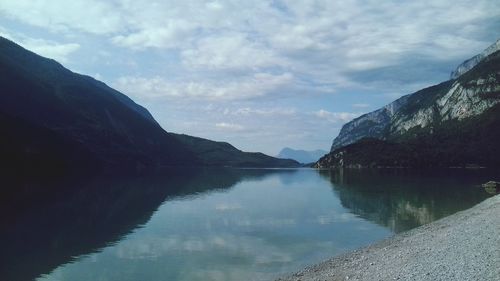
219 224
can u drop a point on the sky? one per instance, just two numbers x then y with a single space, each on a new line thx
259 74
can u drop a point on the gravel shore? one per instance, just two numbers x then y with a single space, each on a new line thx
463 246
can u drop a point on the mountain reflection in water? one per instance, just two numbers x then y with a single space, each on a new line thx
403 199
214 224
54 223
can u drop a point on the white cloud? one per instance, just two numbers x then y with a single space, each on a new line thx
273 61
335 117
275 112
322 42
229 126
260 127
233 51
47 48
57 51
167 35
98 17
256 85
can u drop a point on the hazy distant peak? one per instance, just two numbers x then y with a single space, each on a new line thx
302 156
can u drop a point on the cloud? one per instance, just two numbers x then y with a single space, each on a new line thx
47 48
247 87
336 117
229 126
288 72
271 112
360 105
233 51
57 51
97 17
265 128
326 43
167 35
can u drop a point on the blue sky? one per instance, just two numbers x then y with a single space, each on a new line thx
259 74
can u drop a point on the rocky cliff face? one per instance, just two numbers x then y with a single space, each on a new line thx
455 99
373 124
459 99
470 63
454 123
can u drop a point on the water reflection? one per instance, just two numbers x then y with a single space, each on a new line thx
48 224
404 199
213 224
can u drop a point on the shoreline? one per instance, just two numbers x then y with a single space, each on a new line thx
462 246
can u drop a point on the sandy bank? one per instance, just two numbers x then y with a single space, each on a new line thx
463 246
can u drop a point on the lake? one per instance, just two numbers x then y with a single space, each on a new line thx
216 224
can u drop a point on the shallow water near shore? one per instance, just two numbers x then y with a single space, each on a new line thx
221 224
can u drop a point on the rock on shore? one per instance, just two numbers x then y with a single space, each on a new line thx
463 246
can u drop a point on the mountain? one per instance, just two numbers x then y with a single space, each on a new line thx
302 156
27 147
213 153
373 124
470 63
455 123
68 121
377 123
82 112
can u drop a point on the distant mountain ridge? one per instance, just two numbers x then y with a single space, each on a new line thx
214 153
48 104
455 123
302 156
